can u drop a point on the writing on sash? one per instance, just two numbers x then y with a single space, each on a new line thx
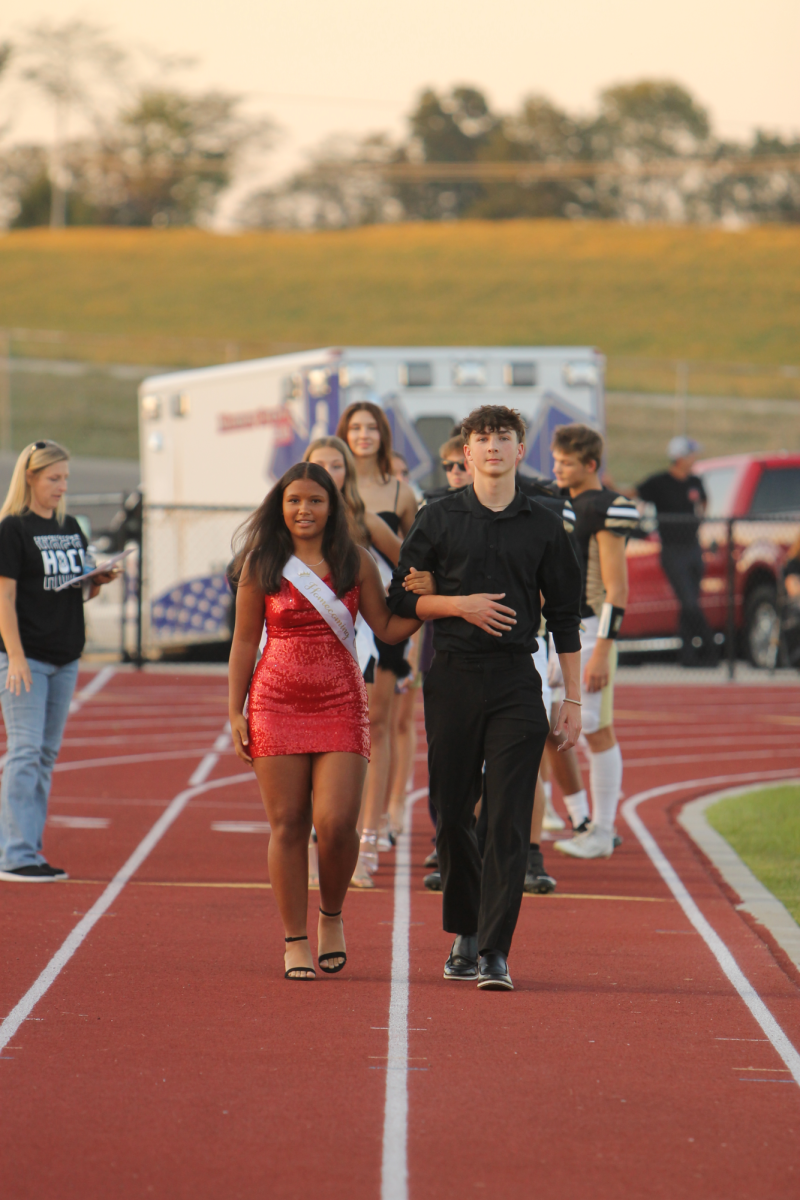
312 590
330 608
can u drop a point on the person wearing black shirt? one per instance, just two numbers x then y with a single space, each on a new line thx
603 521
491 551
42 552
679 499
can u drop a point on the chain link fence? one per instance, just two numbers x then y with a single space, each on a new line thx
81 389
709 602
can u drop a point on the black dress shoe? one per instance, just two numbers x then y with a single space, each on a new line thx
433 882
463 960
493 972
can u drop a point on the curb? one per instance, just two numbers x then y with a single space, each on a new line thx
755 899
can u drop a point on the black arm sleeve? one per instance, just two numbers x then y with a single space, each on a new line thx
417 551
559 579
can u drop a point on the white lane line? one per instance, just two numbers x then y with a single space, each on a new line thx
23 1009
710 756
240 826
85 764
79 822
78 701
210 760
394 1165
92 688
722 954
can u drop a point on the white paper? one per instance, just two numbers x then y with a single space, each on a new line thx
101 570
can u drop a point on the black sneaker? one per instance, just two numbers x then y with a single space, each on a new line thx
433 882
54 872
34 873
536 878
432 860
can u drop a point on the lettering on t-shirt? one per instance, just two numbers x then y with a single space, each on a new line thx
63 558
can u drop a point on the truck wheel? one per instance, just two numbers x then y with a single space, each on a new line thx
762 627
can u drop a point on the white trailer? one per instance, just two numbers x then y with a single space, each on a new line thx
214 440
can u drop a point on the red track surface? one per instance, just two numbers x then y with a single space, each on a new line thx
170 1059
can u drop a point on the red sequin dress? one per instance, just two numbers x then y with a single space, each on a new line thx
307 695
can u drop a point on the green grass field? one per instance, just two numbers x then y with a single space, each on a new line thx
655 291
644 295
764 829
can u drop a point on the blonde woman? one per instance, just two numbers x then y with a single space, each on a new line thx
41 640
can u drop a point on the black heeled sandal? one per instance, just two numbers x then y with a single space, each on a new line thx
290 974
342 954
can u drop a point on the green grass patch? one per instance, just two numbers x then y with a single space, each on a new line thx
764 829
655 291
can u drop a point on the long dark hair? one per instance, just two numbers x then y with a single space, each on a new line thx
384 429
264 544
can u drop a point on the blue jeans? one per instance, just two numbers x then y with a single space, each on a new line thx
34 724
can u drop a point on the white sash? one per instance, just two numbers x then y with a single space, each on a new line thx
324 600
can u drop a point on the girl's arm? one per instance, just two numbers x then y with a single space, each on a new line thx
406 507
244 652
373 607
421 583
9 631
382 537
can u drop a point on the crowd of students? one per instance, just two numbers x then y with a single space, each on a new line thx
501 597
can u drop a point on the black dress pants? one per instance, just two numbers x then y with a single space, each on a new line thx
483 708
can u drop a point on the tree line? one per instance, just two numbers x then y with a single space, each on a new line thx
153 153
636 125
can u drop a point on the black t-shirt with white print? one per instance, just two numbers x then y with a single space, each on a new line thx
41 555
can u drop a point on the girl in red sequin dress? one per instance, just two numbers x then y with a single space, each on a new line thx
307 728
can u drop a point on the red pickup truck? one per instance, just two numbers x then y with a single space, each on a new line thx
750 488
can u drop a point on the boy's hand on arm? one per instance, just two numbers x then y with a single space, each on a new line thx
482 609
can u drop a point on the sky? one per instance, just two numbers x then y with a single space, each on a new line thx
354 66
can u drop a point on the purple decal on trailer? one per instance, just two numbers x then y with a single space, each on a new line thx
554 411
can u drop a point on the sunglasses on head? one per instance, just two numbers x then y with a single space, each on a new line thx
36 446
453 466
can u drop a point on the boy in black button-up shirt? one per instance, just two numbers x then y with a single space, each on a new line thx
491 550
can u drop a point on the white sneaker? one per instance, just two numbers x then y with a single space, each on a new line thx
552 820
591 844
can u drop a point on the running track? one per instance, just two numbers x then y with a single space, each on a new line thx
168 1058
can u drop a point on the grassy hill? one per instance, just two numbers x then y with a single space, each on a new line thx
652 291
655 293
